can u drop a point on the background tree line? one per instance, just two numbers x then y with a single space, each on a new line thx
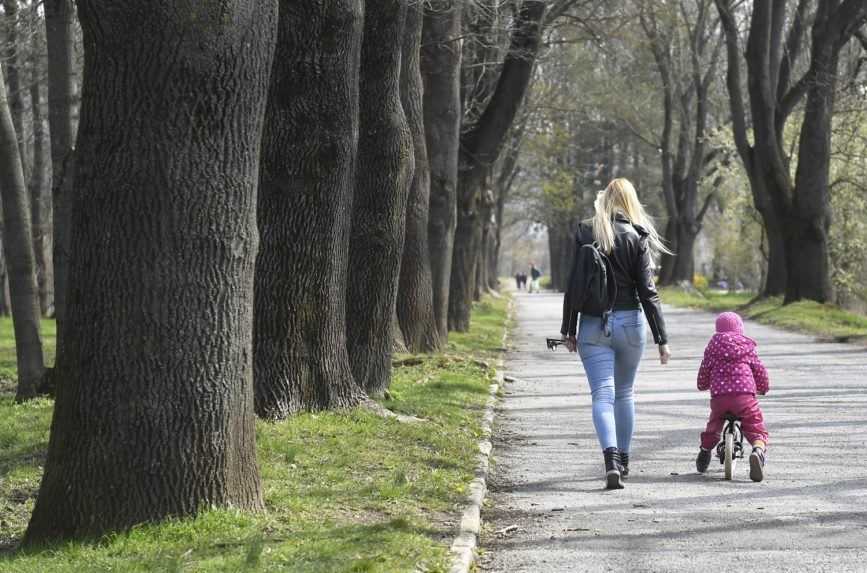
737 119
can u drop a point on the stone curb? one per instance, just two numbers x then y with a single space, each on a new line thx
463 548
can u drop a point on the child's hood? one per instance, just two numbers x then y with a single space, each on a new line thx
731 345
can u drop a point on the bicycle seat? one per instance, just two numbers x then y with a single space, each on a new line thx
729 417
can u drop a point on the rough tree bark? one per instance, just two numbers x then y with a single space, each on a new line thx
810 216
384 169
4 283
18 252
398 342
59 36
305 196
480 147
415 309
40 205
13 61
154 411
487 202
441 73
757 169
59 39
765 161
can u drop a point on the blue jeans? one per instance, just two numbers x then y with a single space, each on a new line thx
611 362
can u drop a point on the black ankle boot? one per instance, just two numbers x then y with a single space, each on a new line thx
612 469
624 464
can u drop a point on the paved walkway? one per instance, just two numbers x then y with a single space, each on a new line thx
809 515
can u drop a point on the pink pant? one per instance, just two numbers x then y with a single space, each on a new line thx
745 407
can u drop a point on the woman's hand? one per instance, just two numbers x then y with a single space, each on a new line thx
571 343
664 354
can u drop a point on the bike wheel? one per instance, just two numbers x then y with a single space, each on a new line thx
729 461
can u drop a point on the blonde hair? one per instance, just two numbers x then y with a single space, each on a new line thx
620 198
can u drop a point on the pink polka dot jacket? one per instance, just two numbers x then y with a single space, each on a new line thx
731 366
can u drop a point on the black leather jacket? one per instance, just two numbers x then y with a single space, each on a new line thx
633 271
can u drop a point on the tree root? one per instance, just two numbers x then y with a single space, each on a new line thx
383 412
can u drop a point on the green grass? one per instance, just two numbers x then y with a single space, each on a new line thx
823 320
711 301
8 369
345 492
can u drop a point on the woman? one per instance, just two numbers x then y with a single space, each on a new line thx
611 352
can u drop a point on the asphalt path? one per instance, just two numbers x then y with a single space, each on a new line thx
547 510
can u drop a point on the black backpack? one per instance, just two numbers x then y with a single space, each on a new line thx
592 288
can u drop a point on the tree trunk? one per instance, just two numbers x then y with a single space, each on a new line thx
807 228
684 263
561 250
305 196
39 199
4 290
398 342
480 147
7 297
468 235
667 262
807 259
775 281
441 67
415 308
59 37
554 244
384 172
154 413
18 252
11 57
477 288
487 208
491 258
567 253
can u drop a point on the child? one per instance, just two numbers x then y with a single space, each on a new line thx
732 371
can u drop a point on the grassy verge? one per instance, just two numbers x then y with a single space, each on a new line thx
8 366
823 320
344 491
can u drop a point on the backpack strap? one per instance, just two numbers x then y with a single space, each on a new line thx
611 288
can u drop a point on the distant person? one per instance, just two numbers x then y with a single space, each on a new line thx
518 280
733 373
535 275
611 346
